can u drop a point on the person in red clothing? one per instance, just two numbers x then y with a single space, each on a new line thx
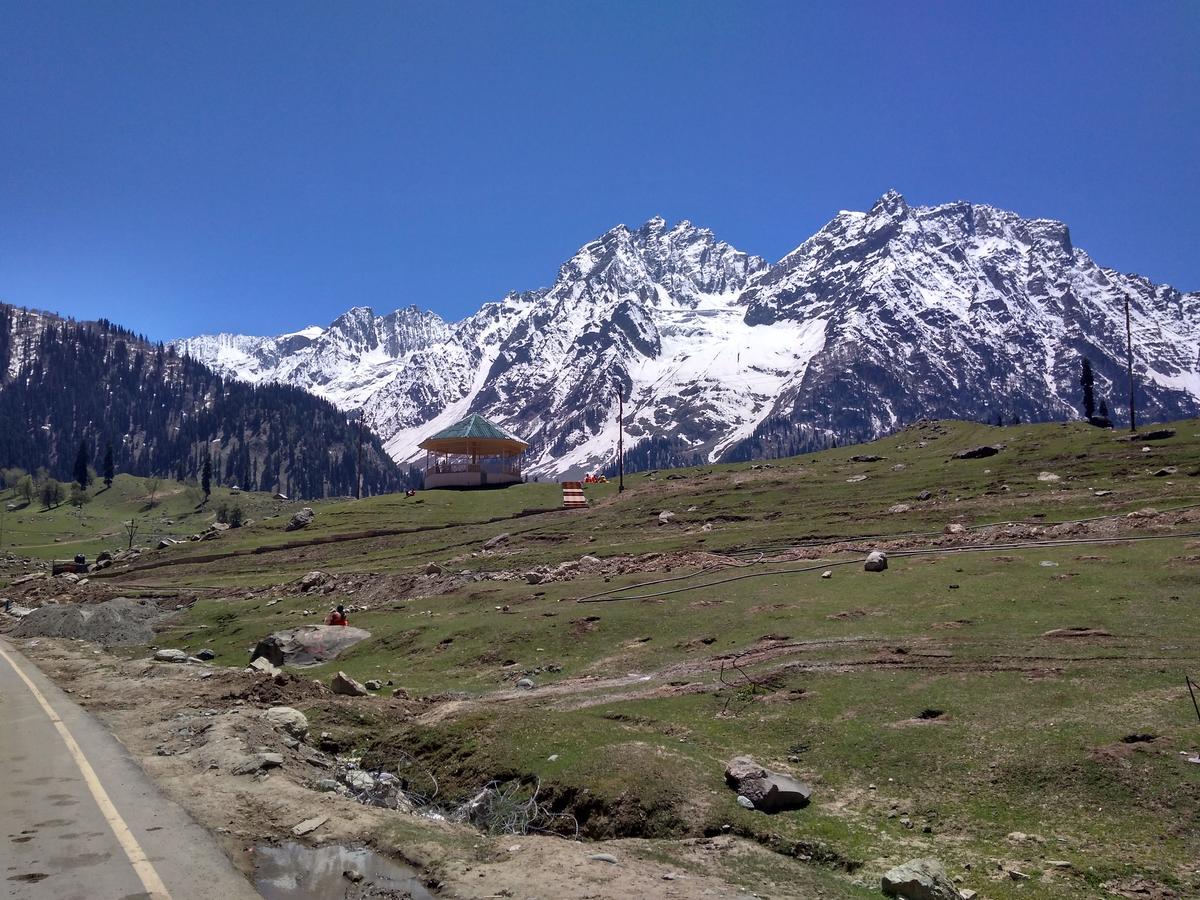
337 617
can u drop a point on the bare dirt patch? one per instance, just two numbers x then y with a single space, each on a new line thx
188 733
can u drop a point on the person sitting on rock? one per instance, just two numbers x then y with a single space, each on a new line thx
337 617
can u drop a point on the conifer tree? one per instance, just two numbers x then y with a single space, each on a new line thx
206 476
1089 397
82 476
1104 409
109 466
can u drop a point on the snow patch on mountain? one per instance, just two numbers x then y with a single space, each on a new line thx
879 318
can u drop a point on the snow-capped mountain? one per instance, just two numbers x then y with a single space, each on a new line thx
880 318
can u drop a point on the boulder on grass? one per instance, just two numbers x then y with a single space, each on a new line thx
876 561
302 519
920 879
307 645
767 791
173 656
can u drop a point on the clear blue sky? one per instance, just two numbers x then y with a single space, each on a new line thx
184 167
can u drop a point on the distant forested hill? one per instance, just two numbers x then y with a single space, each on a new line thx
64 382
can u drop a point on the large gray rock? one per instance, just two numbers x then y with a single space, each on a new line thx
920 879
876 561
289 720
307 645
776 792
343 684
493 542
767 791
174 656
302 519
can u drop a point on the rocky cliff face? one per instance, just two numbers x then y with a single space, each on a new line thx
881 317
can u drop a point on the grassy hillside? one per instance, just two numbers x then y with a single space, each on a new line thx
175 511
929 705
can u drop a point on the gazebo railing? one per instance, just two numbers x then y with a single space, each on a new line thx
444 465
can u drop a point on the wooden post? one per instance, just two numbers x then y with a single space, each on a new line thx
1129 365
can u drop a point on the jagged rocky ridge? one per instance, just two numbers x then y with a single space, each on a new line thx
64 382
880 318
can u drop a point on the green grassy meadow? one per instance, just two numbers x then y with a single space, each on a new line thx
926 704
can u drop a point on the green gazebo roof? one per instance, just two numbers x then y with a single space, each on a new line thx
473 428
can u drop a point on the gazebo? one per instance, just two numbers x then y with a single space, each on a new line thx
472 453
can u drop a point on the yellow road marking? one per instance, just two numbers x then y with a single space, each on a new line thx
133 850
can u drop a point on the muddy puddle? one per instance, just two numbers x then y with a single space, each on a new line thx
293 871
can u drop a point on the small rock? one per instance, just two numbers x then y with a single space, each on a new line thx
326 785
855 479
206 654
311 580
955 528
1048 476
827 574
309 825
289 720
493 542
534 577
920 879
899 508
665 517
264 665
434 569
924 495
526 684
257 762
302 519
876 561
373 685
343 684
745 802
352 875
603 857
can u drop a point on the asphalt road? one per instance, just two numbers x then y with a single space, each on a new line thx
79 820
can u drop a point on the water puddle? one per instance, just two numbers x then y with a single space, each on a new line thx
294 871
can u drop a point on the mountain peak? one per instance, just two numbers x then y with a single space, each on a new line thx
891 203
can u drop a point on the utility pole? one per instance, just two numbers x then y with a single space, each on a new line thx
1129 365
620 439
